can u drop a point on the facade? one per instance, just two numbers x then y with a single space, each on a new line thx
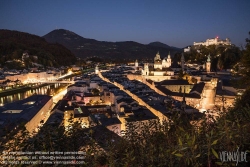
214 41
180 86
160 64
33 77
224 98
161 69
187 49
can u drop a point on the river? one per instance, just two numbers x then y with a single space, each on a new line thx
51 89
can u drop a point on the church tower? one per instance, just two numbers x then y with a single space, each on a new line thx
208 64
169 60
157 56
146 69
182 62
96 69
136 63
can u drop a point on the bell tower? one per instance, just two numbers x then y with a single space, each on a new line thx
136 63
169 60
96 69
208 64
146 69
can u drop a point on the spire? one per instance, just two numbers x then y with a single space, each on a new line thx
182 56
169 55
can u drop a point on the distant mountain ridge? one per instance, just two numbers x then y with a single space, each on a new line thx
14 43
84 47
159 44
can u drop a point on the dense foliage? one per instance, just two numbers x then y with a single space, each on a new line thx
174 143
13 44
244 65
222 57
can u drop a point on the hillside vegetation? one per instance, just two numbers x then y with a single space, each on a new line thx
175 143
14 43
86 48
221 57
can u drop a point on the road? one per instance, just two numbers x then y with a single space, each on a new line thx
55 98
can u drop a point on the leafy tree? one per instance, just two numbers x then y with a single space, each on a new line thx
245 62
95 91
13 44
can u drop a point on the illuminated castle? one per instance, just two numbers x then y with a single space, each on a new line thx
214 41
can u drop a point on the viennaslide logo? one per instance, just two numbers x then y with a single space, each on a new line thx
233 156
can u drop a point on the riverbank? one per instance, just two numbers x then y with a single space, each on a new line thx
21 89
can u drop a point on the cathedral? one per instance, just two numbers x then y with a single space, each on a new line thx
161 67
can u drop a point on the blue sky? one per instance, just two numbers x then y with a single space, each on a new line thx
176 23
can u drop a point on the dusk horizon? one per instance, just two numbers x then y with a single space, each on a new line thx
177 24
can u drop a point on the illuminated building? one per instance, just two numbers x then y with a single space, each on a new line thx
213 41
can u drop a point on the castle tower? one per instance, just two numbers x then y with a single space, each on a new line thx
182 62
146 69
208 64
136 63
96 69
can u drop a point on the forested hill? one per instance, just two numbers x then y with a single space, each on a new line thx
84 47
14 43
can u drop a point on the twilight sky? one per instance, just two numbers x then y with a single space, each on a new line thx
176 23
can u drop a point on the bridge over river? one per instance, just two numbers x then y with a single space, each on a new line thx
69 82
51 81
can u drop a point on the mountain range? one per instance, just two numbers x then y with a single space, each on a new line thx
61 47
86 48
14 43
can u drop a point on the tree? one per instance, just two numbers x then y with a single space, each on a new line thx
194 80
245 62
95 91
220 64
